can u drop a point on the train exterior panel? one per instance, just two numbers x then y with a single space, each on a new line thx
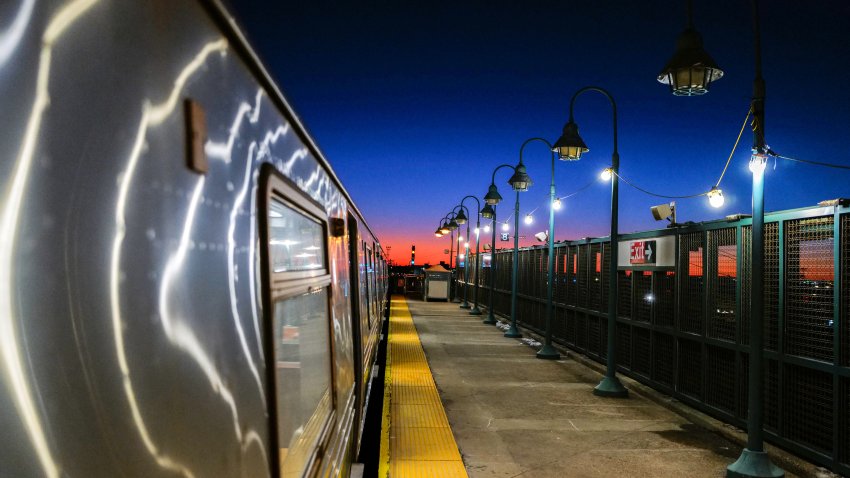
140 328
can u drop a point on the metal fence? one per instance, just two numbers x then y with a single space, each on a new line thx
684 330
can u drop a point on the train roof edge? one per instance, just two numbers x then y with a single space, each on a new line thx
226 21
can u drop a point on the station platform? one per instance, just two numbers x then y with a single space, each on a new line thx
462 400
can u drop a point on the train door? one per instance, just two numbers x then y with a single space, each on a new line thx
356 328
298 331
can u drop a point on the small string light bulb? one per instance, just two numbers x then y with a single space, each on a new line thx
529 218
556 204
506 227
459 238
477 231
487 228
715 197
606 174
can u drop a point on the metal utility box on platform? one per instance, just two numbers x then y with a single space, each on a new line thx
437 279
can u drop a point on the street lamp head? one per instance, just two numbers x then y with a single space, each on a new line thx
461 217
570 146
453 225
520 181
437 233
444 229
715 197
691 69
556 204
487 211
492 197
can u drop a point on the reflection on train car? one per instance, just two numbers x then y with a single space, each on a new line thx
186 287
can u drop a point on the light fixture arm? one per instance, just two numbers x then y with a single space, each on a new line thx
604 92
493 176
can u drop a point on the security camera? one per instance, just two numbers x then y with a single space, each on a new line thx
542 236
664 211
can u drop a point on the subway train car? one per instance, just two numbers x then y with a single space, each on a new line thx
186 288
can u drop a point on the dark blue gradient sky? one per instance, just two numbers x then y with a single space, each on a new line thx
415 103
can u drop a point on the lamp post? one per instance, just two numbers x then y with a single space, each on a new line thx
754 461
460 219
475 310
570 146
451 226
548 352
520 181
489 212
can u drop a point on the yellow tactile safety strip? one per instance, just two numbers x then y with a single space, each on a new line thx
416 440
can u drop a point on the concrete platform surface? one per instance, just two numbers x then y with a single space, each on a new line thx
514 415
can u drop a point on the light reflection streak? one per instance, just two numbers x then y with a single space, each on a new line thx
286 168
11 37
14 368
263 150
223 150
154 115
177 331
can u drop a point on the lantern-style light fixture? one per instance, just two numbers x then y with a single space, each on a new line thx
461 217
492 197
444 229
570 146
691 70
453 224
520 181
487 211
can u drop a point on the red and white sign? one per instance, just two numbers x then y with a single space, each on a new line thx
642 252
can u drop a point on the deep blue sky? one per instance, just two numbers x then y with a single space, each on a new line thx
415 103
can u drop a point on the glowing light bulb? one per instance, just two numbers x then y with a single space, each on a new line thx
462 256
529 219
715 197
466 244
757 163
459 238
477 232
556 204
606 174
506 227
487 228
437 234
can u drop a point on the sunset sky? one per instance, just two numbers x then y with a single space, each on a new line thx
415 104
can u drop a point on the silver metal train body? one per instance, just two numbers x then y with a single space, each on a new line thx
186 289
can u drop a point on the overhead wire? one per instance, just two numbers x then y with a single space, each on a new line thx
716 185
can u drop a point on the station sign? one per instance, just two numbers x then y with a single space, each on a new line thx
647 254
504 236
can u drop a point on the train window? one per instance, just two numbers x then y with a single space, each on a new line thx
296 242
302 356
299 341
